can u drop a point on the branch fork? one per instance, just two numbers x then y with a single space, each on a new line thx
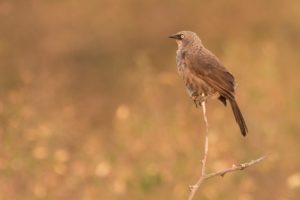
221 173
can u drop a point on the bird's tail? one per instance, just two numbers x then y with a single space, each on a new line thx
238 116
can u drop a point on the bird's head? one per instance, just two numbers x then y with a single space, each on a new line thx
186 38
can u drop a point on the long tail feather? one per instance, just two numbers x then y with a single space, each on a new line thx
238 116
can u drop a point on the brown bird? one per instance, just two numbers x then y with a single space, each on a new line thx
204 75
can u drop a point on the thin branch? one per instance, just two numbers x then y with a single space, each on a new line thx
194 187
204 176
206 138
234 168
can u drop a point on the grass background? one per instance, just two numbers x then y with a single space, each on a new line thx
91 106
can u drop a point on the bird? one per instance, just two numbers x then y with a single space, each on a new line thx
204 76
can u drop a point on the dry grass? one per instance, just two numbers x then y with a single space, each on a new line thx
91 106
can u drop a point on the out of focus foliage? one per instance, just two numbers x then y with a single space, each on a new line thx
91 106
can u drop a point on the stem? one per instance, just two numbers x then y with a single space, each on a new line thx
194 187
204 176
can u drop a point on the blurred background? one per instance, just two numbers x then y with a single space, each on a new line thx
92 107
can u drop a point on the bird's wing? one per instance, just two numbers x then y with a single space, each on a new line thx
209 69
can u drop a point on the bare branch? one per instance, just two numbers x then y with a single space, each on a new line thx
194 187
234 168
204 176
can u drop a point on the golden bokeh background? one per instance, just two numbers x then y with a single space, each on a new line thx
91 106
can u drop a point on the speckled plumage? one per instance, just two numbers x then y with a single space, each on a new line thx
204 75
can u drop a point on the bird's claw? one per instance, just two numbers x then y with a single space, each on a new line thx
195 102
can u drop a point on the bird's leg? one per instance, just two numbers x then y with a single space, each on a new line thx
198 99
195 102
201 99
194 97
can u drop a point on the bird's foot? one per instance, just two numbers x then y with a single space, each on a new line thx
199 102
198 99
195 102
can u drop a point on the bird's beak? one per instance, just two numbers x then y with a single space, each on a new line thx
176 36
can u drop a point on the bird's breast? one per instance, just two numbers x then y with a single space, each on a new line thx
194 84
180 60
178 57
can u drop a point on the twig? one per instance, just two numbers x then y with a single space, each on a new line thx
194 187
234 168
204 176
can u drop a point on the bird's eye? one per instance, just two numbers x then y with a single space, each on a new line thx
181 36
